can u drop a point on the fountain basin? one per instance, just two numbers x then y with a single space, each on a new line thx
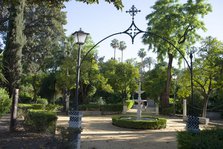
145 122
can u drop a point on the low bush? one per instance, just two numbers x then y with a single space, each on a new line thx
43 101
131 122
89 107
129 103
112 108
168 111
30 106
40 120
53 107
103 108
23 108
206 139
5 102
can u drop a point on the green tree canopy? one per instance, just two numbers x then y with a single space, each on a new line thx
178 23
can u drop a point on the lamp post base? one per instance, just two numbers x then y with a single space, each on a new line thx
193 124
75 123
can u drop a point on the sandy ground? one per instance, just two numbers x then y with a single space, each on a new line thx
99 133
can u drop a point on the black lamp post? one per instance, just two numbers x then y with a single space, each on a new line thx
75 115
79 38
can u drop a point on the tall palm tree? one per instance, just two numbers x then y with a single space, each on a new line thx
142 53
114 44
122 47
148 62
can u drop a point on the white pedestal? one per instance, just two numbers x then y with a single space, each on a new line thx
184 108
157 109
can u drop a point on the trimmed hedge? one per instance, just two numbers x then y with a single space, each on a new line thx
129 103
206 139
23 108
111 108
157 123
103 108
41 121
90 107
30 106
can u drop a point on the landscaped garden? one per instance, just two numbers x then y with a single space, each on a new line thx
47 75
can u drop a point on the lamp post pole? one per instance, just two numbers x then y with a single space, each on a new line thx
77 78
174 95
191 52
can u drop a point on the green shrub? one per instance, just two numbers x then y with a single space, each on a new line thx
129 122
26 93
129 103
43 101
53 107
168 110
31 106
89 107
23 108
206 139
5 102
40 120
112 108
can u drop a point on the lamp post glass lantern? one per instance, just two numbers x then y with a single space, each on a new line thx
80 37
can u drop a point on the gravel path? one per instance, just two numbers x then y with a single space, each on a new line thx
98 133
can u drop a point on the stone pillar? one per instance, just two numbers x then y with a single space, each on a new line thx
184 109
124 109
75 122
157 109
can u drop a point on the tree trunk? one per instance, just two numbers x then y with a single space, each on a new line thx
34 88
204 112
114 53
14 110
122 56
166 93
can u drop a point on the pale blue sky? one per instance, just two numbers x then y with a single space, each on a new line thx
101 20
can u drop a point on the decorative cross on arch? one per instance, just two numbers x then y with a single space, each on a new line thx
133 30
133 11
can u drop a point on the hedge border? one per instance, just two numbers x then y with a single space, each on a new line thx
158 123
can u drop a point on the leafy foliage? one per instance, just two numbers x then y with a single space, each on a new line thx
206 139
122 77
154 81
5 102
129 103
39 120
178 23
